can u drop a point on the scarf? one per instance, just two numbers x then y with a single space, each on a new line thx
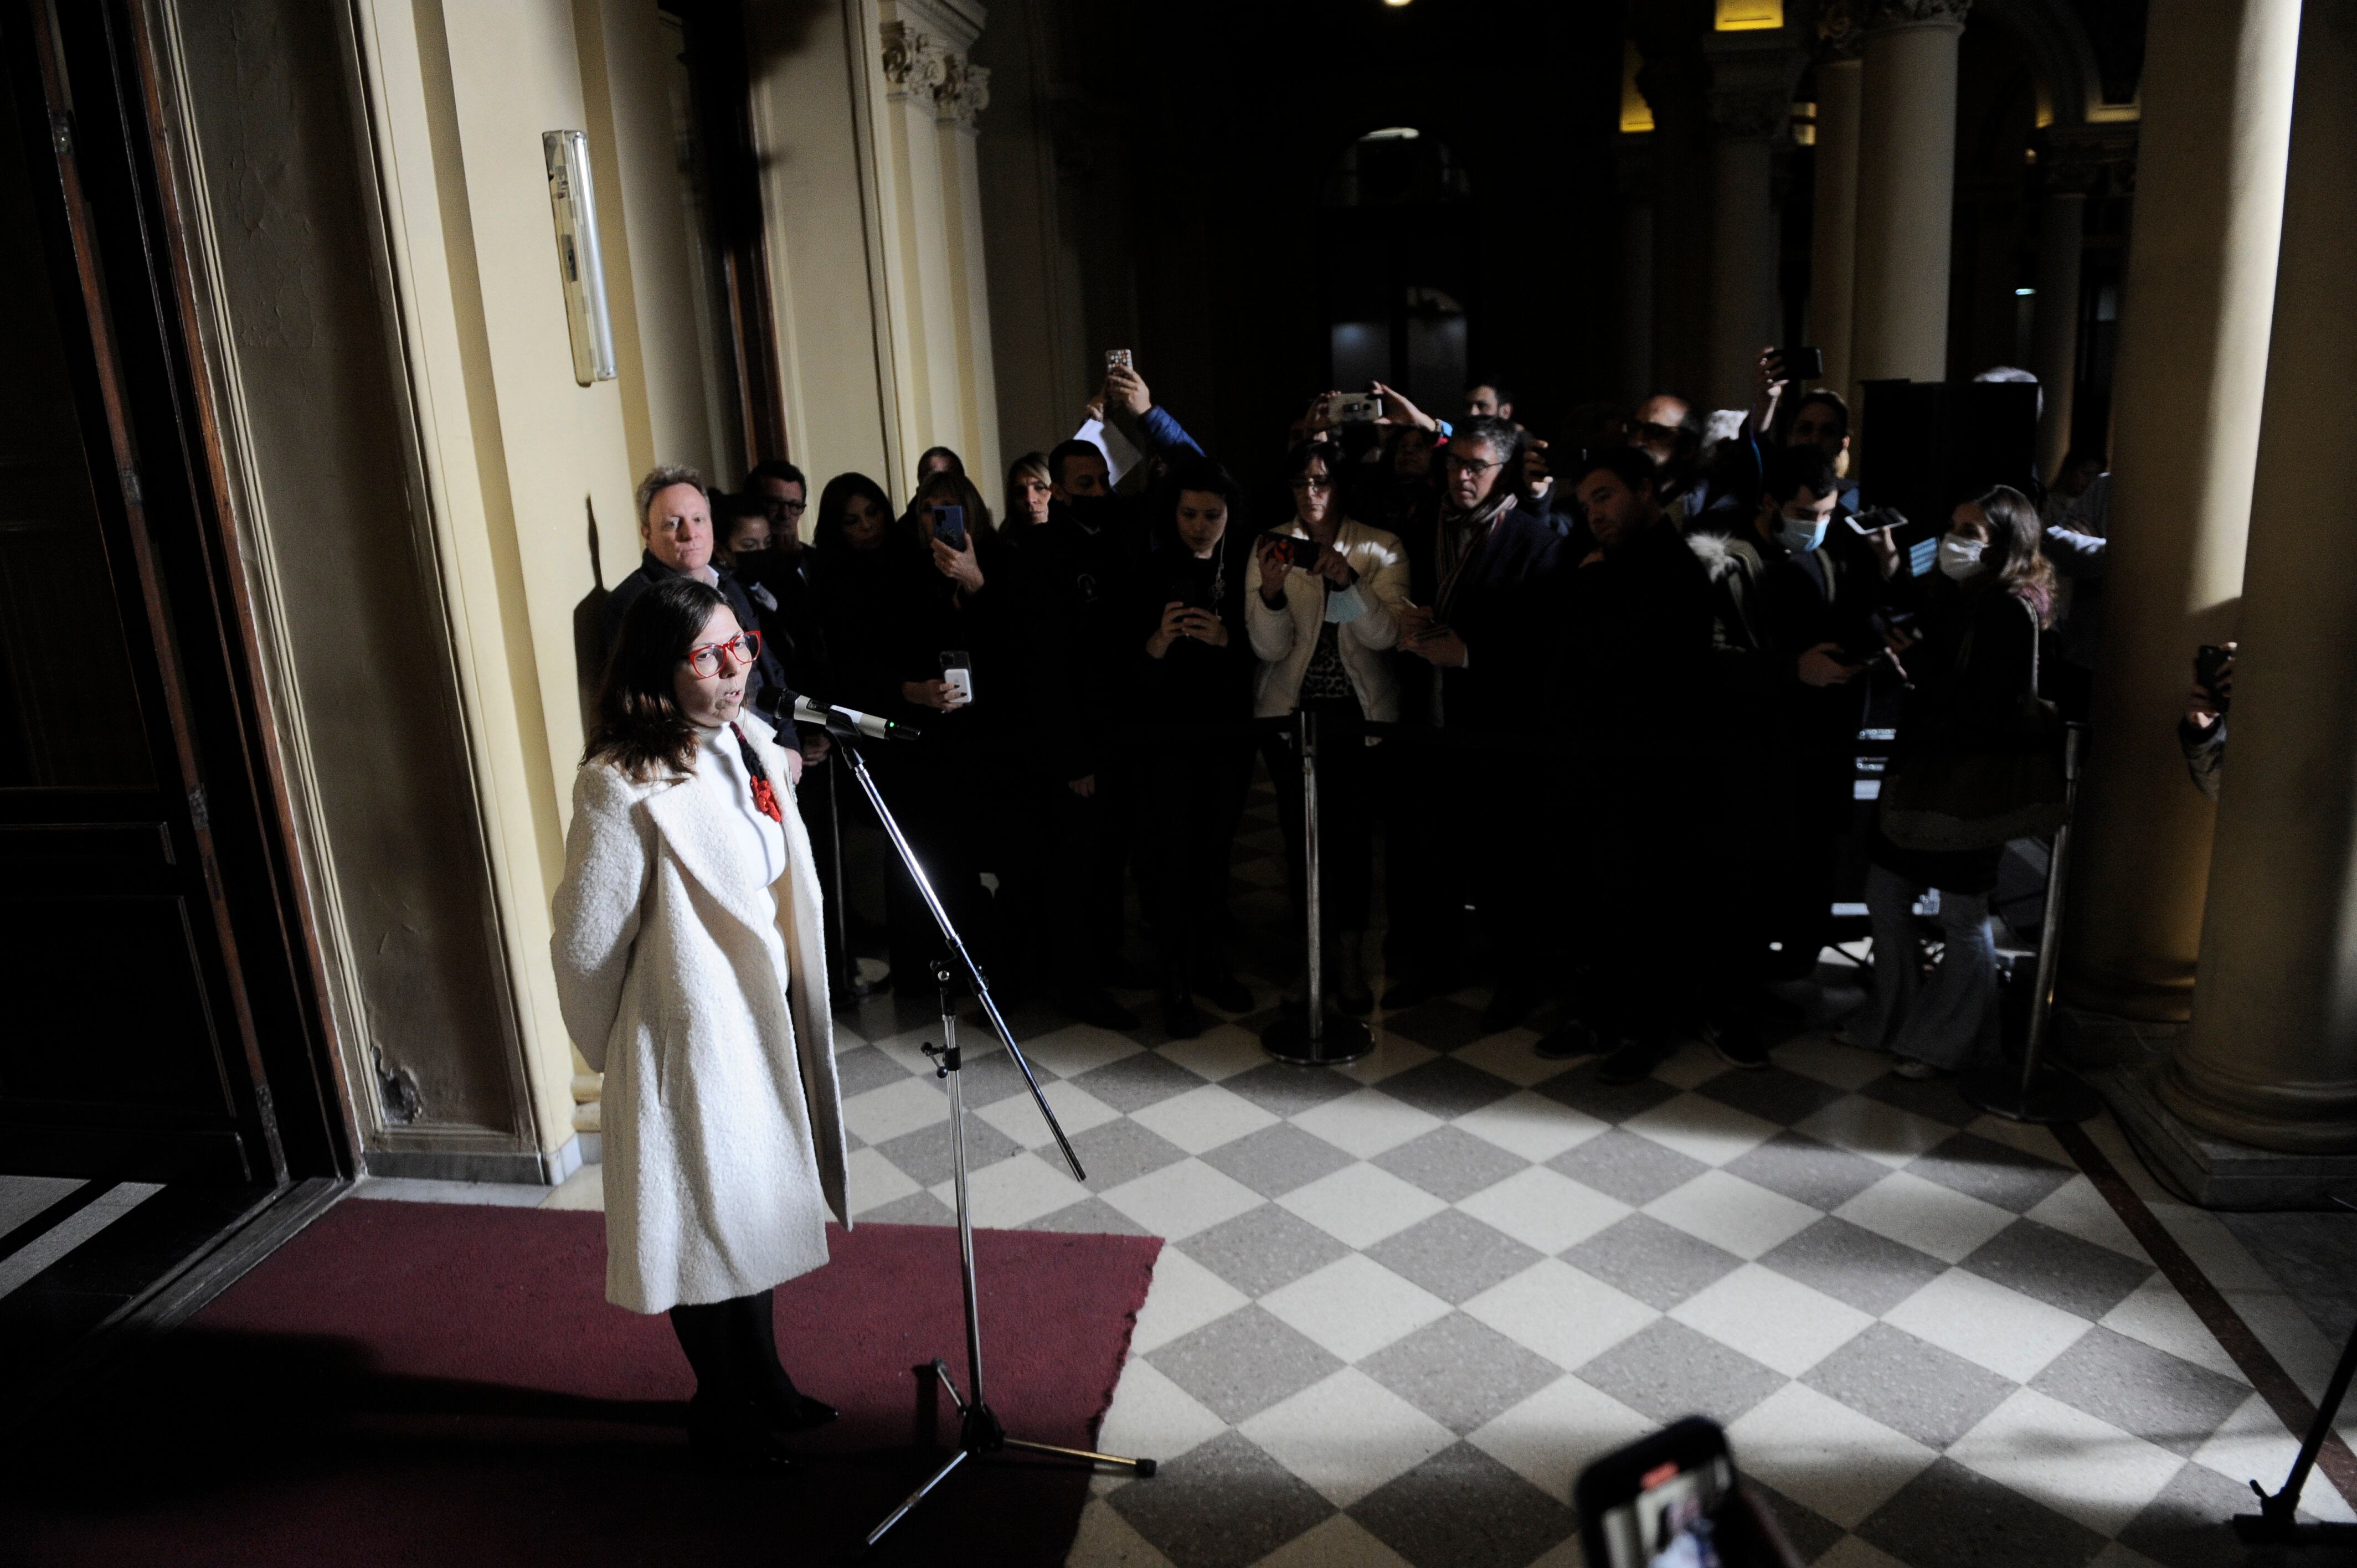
1462 535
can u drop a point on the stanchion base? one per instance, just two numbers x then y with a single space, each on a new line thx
2051 1097
1341 1040
2256 1530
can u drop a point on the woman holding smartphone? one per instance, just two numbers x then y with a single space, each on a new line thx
1322 602
1194 695
691 967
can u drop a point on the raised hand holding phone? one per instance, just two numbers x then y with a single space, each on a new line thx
1275 566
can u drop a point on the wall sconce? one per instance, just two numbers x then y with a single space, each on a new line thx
579 263
1748 16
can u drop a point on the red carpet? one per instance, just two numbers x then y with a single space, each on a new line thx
446 1385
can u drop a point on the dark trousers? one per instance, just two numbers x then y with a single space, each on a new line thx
732 1346
1191 793
1347 786
1463 824
940 818
1081 845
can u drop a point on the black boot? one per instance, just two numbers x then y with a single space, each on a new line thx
788 1408
725 1427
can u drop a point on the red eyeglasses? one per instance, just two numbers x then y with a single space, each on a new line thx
743 650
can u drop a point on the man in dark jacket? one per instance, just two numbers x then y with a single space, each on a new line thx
1476 645
675 530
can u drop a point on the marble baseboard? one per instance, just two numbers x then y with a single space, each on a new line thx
2083 1038
529 1169
2215 1172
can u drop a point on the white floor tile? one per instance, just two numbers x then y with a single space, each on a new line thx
1394 1054
1107 1541
1354 1306
1184 1296
1346 1434
2082 1467
1988 1325
1542 1208
1018 1116
2038 1143
1202 1119
1703 1129
2158 1316
2254 1445
1558 1312
1222 1051
585 1189
2077 1207
1340 1542
1549 1438
1015 1191
1076 1048
1829 1062
1777 1322
2215 1250
1531 1125
1178 1200
1366 1122
1509 1055
1925 1216
1692 1063
1152 1417
882 1114
1360 1205
871 1181
1850 1552
1727 1212
1823 1455
1878 1132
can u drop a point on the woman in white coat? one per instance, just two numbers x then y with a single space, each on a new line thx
1322 606
691 967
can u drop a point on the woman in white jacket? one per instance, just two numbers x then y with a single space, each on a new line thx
1322 604
691 968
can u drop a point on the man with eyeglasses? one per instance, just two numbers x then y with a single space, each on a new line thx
675 528
1476 642
784 495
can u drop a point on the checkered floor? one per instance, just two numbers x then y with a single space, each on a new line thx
1405 1300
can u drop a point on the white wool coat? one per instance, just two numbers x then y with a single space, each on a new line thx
724 1145
1284 639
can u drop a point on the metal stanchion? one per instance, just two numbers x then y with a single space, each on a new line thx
1311 1037
2038 1093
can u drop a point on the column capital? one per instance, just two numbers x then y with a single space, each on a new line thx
1751 81
1841 31
928 66
1891 16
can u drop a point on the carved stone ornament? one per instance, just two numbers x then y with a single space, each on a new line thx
1917 13
1840 34
918 66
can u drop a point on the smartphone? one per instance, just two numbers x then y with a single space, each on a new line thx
1671 1499
1299 551
2210 662
1188 592
1802 364
957 673
949 526
1354 408
1117 359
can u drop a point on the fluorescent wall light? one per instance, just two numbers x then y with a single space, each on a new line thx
1748 16
2023 292
579 264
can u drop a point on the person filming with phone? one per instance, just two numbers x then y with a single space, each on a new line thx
1325 595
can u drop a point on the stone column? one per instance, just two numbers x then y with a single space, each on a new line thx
2272 1056
1750 108
2054 315
1906 186
1833 240
2191 372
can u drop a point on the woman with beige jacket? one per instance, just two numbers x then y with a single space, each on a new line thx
691 968
1322 601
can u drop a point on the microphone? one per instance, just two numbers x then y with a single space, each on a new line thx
842 720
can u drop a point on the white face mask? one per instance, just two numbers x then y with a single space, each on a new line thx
1959 558
1800 534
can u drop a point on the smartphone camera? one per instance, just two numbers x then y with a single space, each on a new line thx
1671 1500
949 526
2210 663
1802 364
1354 408
1117 359
957 674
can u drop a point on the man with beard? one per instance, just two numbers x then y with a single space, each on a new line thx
1638 651
1476 642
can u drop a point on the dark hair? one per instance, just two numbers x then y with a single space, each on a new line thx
1831 399
826 532
662 477
1505 393
1626 464
2014 530
727 512
777 469
639 726
957 463
1064 451
1299 457
949 490
1788 470
1498 435
1201 473
1691 425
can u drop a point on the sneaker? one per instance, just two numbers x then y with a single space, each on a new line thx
1917 1072
1509 1006
1224 991
1631 1060
1573 1039
1097 1008
1738 1044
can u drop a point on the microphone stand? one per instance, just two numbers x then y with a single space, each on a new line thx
979 1429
